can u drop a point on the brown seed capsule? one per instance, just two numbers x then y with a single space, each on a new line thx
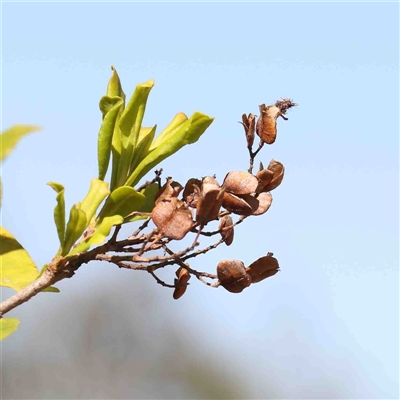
191 192
265 176
179 291
170 189
232 275
181 283
183 275
172 218
210 201
266 124
227 234
278 171
263 268
240 182
264 203
249 124
241 205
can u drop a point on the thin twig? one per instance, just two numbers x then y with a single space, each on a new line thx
115 234
161 282
156 179
203 251
253 156
143 226
197 274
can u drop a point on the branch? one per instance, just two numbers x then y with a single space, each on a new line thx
48 278
59 269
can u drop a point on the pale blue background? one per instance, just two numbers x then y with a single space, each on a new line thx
327 326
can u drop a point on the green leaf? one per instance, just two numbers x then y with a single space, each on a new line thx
77 223
82 213
98 191
129 124
10 138
122 201
116 154
59 210
51 289
150 194
8 326
100 234
17 268
114 87
111 108
178 120
146 136
187 133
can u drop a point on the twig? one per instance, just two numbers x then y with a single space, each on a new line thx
253 156
46 280
203 251
197 274
213 233
115 234
143 226
161 282
156 179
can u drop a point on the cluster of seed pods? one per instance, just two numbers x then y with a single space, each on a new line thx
181 209
203 200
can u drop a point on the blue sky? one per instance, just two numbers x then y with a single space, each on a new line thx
333 310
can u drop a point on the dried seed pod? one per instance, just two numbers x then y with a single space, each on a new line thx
181 283
266 124
263 268
183 275
265 201
241 205
226 233
210 200
170 189
278 171
179 291
191 192
249 123
240 182
172 218
265 176
233 276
